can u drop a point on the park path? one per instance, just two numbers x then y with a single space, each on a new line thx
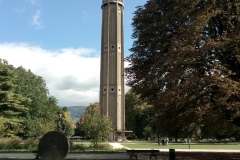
116 145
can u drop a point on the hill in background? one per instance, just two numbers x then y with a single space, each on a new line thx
76 111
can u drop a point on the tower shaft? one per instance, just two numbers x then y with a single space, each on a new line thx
112 64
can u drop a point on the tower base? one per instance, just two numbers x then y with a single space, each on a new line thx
120 136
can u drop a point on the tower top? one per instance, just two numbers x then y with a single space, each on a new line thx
112 1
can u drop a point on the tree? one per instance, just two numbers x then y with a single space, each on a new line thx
43 126
42 106
66 125
227 130
138 114
185 60
95 126
2 126
78 130
25 103
11 109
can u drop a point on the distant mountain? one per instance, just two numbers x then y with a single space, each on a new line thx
76 111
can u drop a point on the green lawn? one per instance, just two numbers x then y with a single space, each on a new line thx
154 145
225 146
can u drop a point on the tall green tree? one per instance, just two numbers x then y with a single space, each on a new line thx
185 60
138 114
78 130
42 106
12 112
66 124
95 126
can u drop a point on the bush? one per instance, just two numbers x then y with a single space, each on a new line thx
77 147
91 147
31 144
17 143
105 147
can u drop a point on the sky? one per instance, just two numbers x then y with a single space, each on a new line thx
60 40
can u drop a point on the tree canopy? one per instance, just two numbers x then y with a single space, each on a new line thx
138 115
95 126
66 124
12 112
26 107
43 115
185 60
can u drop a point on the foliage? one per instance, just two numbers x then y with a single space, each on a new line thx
133 107
43 112
95 126
43 126
185 60
78 130
138 114
220 129
77 147
148 132
25 104
104 146
66 125
17 143
2 126
11 108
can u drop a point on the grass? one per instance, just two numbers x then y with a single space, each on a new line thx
217 146
154 145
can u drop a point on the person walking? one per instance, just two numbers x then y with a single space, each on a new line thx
167 141
162 141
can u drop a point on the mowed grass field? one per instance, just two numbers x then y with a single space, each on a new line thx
210 146
154 145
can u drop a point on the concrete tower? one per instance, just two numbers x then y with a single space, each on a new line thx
112 66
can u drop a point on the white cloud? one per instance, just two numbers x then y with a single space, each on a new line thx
35 21
71 75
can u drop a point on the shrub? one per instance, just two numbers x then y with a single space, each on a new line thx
17 143
105 147
31 143
82 147
2 126
77 147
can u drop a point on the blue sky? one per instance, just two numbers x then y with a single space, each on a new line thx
59 24
59 40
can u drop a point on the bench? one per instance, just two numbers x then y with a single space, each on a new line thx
37 156
150 152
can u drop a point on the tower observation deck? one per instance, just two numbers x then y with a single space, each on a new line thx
112 1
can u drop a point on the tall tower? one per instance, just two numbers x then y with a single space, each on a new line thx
112 103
